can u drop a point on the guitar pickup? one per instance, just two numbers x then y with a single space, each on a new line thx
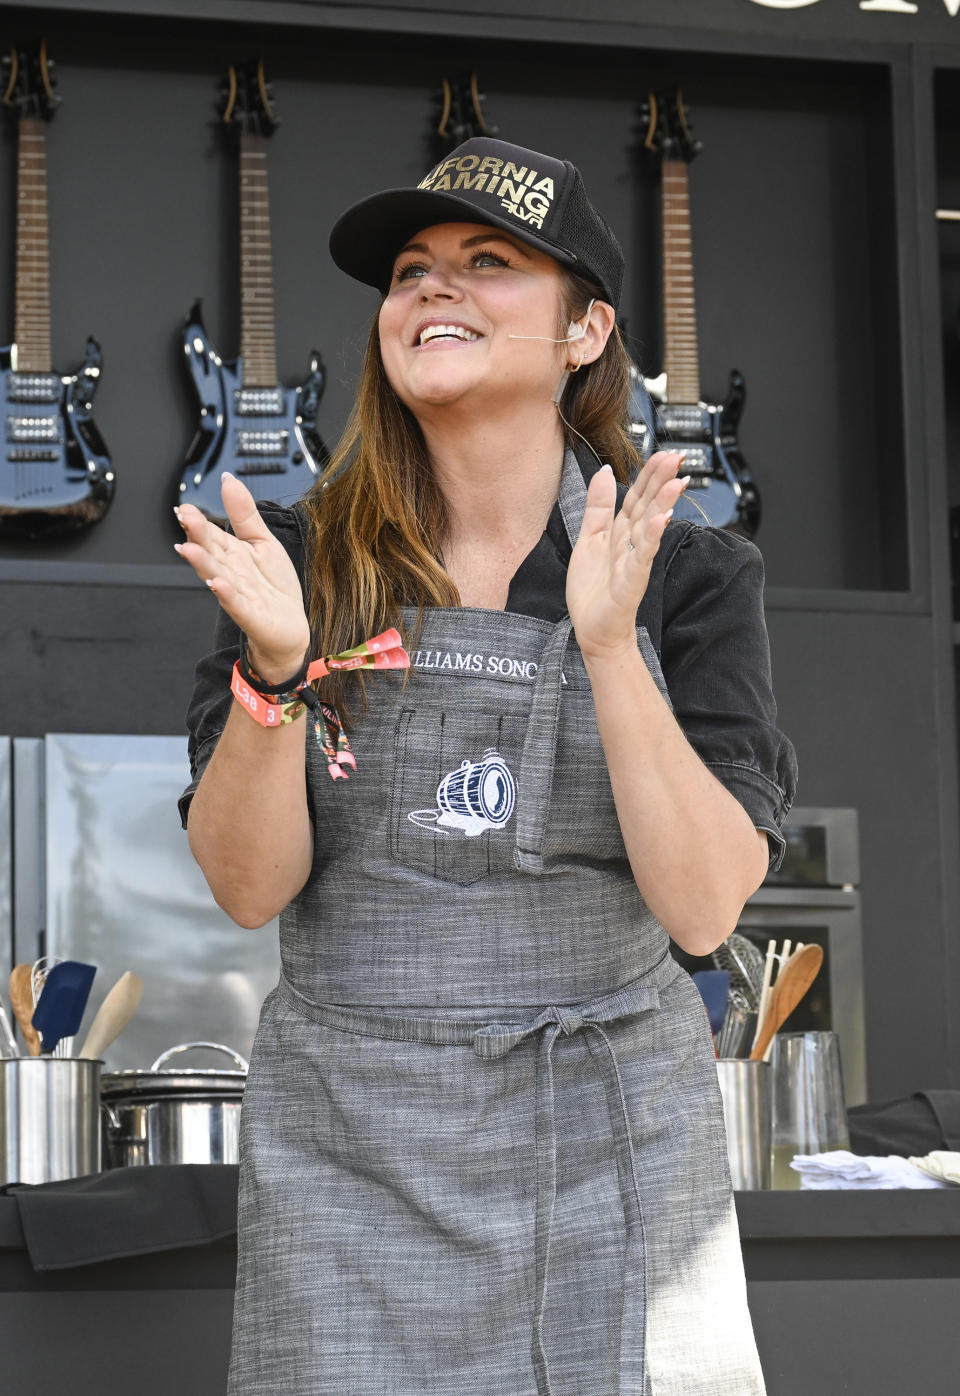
31 454
27 429
699 459
260 402
262 467
684 422
33 387
260 443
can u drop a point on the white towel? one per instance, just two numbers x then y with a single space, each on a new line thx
841 1169
940 1164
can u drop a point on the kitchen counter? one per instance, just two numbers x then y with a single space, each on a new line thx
850 1293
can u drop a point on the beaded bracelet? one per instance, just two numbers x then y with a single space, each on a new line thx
274 707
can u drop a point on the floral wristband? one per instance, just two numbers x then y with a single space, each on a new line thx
273 707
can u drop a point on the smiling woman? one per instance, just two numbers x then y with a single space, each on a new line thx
482 1144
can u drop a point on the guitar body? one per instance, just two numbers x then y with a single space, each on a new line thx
55 474
267 437
721 491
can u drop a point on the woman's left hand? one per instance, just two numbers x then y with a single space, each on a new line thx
610 565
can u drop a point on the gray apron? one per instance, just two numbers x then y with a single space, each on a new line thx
482 1146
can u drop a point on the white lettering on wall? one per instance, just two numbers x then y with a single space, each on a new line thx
893 7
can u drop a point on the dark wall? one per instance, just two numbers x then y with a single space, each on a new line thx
803 284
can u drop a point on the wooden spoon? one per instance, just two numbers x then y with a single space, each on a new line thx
113 1015
21 1000
792 983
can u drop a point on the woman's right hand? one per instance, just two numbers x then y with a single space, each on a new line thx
253 578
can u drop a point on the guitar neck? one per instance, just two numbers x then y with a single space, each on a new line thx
258 344
32 294
681 359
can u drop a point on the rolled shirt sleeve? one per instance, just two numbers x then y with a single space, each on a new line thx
716 661
210 701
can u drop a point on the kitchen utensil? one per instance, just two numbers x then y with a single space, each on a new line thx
733 1032
745 1087
61 1004
809 1111
182 1116
49 1119
736 955
714 987
8 1043
752 957
21 999
792 983
765 985
113 1015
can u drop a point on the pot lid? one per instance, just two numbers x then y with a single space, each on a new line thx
155 1082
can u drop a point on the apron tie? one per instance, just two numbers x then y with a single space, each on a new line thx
495 1040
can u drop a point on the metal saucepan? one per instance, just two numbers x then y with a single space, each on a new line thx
178 1116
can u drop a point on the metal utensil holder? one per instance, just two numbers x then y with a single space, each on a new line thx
747 1091
49 1118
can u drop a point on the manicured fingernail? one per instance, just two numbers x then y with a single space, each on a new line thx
178 548
607 467
226 475
209 583
668 515
685 481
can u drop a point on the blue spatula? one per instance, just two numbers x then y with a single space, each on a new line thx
62 1001
714 986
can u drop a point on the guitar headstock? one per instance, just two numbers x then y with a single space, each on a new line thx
28 82
461 113
667 130
247 99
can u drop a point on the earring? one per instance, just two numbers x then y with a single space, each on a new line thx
575 368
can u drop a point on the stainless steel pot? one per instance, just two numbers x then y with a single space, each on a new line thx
49 1126
180 1116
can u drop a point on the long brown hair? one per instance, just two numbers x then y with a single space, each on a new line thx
377 517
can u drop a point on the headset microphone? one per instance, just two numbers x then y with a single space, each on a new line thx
579 330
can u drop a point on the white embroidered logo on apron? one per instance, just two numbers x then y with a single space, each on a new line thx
478 795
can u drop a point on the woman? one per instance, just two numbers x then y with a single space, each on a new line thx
482 1137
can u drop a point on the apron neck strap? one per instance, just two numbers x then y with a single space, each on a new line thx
573 495
539 757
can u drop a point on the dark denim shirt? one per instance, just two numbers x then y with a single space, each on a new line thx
703 610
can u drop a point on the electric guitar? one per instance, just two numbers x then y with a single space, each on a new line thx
55 474
721 484
250 425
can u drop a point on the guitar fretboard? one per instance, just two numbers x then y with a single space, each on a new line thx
258 344
32 293
680 360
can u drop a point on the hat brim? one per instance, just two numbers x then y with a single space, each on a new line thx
366 239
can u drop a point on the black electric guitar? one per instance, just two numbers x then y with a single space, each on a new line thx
721 484
461 117
55 474
250 425
461 114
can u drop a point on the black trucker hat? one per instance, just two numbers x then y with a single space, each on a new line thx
538 199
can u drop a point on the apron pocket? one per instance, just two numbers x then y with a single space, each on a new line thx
453 814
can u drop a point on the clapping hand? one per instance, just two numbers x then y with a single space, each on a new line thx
610 565
253 578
